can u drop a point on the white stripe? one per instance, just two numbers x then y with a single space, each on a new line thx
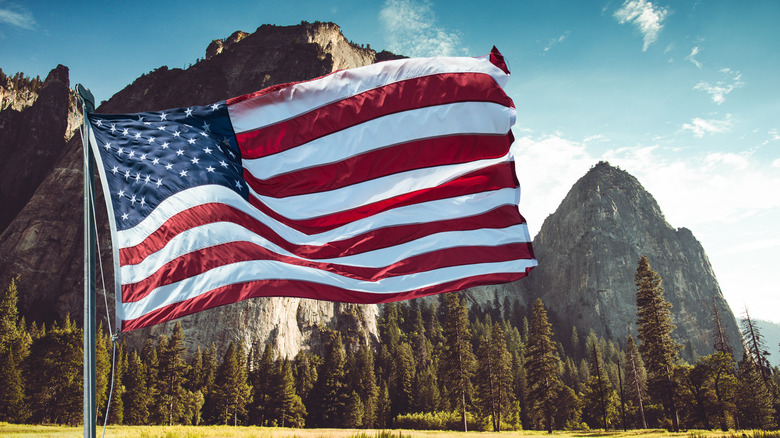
431 211
210 235
312 205
272 270
297 99
438 121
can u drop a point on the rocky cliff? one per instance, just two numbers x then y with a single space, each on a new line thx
588 252
43 242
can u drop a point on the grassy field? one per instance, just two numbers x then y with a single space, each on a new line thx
12 430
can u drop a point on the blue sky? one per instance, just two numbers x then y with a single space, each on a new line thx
683 95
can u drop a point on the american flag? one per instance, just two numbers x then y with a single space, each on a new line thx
375 184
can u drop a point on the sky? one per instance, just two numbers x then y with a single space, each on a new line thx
683 95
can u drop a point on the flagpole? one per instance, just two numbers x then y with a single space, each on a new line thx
90 402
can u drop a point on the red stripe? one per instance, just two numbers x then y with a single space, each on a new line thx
201 261
498 176
383 162
500 217
301 289
396 97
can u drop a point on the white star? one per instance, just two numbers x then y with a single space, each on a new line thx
183 173
188 112
168 166
142 157
156 161
176 133
131 154
115 169
137 177
147 179
140 119
151 140
203 134
99 122
132 200
124 217
223 163
137 135
206 127
238 185
125 132
163 116
165 145
207 150
119 151
210 169
231 153
120 193
179 153
215 107
113 128
195 160
107 146
161 128
191 141
127 174
147 123
158 183
143 201
226 141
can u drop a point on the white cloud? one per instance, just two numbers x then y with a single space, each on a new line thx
700 126
776 163
647 18
410 29
555 41
691 57
720 89
16 15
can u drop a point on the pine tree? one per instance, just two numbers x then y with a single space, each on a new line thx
102 370
136 397
262 378
363 380
54 375
329 395
542 367
636 378
305 373
658 349
151 367
722 342
232 392
599 394
14 349
117 408
753 400
724 383
172 375
494 376
402 379
283 398
756 347
457 358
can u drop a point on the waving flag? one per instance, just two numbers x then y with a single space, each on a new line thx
375 184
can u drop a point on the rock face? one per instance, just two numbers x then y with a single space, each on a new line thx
43 243
588 251
33 132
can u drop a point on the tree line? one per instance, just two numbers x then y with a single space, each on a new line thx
437 364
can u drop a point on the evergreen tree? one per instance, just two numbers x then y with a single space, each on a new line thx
722 342
151 365
542 367
402 379
195 376
14 349
363 380
753 400
102 370
54 375
724 382
136 397
117 408
172 375
658 349
599 395
353 414
232 392
383 406
262 378
756 347
285 402
494 376
306 373
329 395
457 359
636 378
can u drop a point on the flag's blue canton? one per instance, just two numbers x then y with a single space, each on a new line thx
147 157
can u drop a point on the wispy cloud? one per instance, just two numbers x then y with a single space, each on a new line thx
692 57
411 29
16 15
700 126
647 18
555 41
719 90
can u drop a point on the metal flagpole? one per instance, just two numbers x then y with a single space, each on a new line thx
90 402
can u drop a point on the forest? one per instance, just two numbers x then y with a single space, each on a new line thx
441 363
